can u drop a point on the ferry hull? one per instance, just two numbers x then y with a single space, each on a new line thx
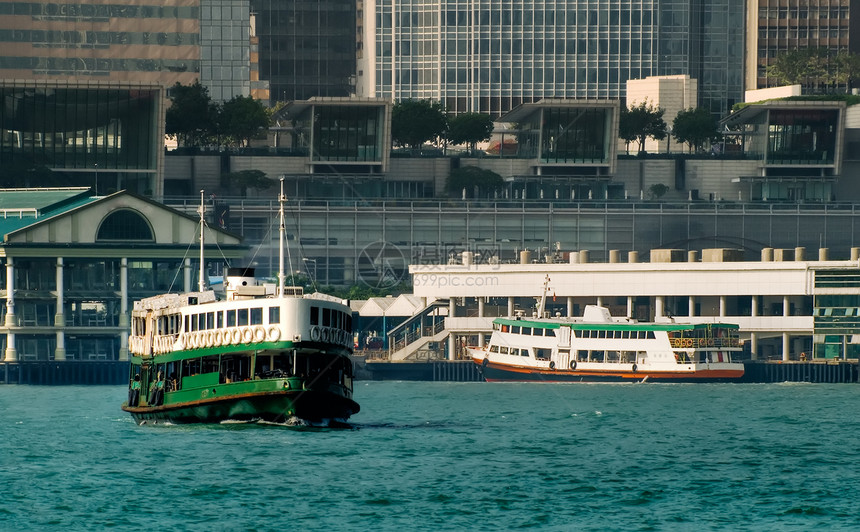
499 372
275 407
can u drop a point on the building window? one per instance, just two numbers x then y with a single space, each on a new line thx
125 224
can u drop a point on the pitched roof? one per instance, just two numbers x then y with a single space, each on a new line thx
20 207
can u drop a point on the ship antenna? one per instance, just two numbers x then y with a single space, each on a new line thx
543 297
281 230
202 227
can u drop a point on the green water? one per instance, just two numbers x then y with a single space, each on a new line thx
450 456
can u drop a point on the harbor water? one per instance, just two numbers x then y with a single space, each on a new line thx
449 456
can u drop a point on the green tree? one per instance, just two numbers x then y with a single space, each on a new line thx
470 128
657 190
414 122
815 67
695 126
473 178
191 116
242 118
245 179
641 122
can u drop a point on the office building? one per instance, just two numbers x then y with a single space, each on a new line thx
492 57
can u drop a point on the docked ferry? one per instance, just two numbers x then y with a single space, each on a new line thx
264 353
598 347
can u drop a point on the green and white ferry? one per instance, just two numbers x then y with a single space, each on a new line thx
264 354
598 347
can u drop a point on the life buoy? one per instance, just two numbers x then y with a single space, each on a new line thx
573 364
219 338
210 338
235 336
710 342
247 335
192 341
259 334
180 344
325 335
634 368
315 334
551 364
688 342
274 333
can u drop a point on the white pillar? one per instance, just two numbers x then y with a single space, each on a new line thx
629 306
658 307
754 305
510 306
480 307
754 346
59 318
11 321
186 275
481 339
692 304
569 306
722 306
786 306
786 346
452 307
123 309
452 346
599 301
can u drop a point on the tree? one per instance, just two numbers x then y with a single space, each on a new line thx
657 190
242 118
815 67
414 122
470 128
245 179
640 122
695 127
473 178
191 117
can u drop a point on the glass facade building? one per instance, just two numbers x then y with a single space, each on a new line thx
133 41
491 57
306 49
225 53
103 136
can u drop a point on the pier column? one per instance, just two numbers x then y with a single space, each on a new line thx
722 306
452 307
481 339
510 306
569 306
786 306
452 346
59 317
629 306
480 307
123 309
691 303
754 346
754 306
786 346
659 301
599 301
11 353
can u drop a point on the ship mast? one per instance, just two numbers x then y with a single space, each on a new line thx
542 304
200 285
281 232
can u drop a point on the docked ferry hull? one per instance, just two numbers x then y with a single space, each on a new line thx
275 406
494 372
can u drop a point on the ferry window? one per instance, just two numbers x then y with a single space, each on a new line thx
256 316
494 349
231 318
503 350
219 316
527 330
242 315
195 322
515 329
326 317
537 332
625 334
274 314
515 351
495 326
651 335
549 332
641 335
582 355
618 334
524 352
338 319
601 334
349 323
210 320
191 367
209 364
577 333
315 315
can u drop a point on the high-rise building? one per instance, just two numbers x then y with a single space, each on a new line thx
491 57
775 27
306 49
136 41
